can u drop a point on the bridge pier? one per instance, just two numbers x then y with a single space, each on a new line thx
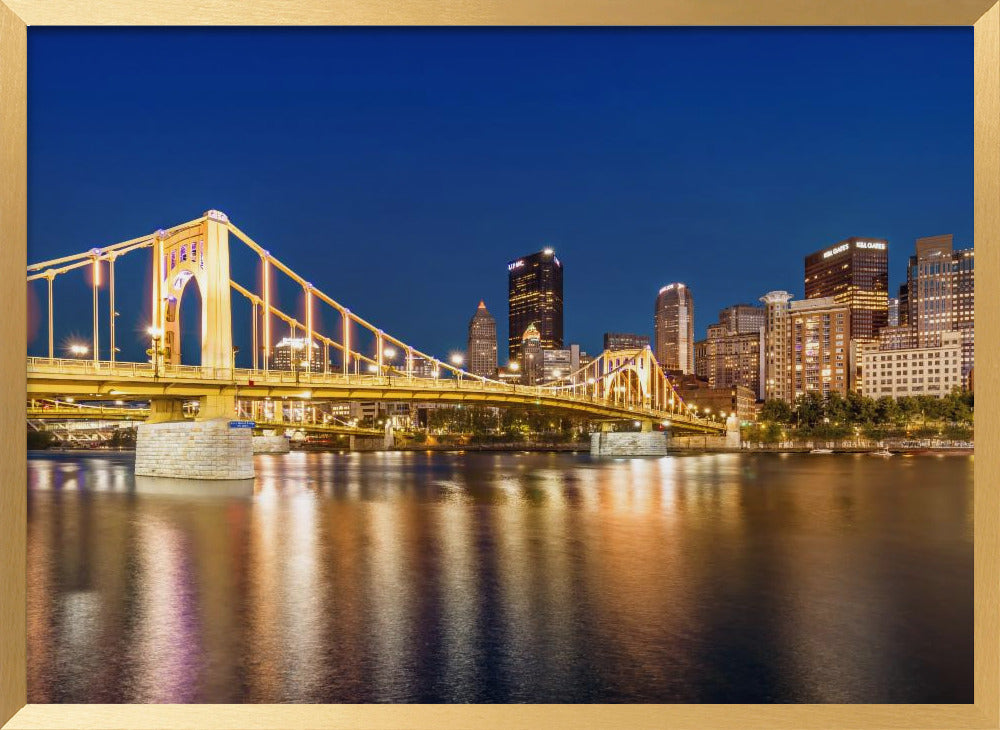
206 448
628 443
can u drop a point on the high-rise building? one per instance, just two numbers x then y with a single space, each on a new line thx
481 352
743 318
893 312
854 272
624 341
776 346
941 293
535 297
673 328
819 338
532 367
727 360
290 354
807 346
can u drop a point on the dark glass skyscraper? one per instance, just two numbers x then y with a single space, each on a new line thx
854 272
535 296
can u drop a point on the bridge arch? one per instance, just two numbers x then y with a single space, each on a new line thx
198 253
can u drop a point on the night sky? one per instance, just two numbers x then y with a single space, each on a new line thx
401 169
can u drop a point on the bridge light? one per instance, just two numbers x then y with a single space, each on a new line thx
513 367
389 352
154 332
556 373
119 402
70 399
590 381
78 349
372 368
457 358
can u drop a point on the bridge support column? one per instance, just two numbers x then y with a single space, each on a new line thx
165 409
216 406
207 448
631 443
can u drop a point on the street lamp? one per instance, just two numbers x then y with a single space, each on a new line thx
78 350
457 359
157 334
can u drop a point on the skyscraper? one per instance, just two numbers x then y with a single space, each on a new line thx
481 353
535 296
854 272
941 294
777 359
673 328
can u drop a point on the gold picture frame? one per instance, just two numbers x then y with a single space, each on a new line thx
16 15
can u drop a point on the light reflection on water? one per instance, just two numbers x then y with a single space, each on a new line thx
392 577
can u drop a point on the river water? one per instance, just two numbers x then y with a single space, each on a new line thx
514 577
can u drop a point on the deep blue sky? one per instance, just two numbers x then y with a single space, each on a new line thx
401 169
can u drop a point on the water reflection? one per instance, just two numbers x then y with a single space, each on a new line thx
504 578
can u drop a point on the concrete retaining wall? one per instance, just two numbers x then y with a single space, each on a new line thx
271 445
642 443
194 450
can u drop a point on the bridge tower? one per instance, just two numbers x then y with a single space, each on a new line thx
199 253
166 445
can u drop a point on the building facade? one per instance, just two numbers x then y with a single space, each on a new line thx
807 347
743 318
532 356
854 272
673 328
776 346
819 340
728 360
481 353
615 341
893 312
535 297
941 294
290 354
935 371
707 401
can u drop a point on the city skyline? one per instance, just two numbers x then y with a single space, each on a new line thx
594 162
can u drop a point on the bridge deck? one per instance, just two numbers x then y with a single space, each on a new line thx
131 381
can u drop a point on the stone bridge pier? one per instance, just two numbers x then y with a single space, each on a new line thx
213 446
645 442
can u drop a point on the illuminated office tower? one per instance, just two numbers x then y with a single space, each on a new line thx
854 272
481 352
940 284
673 328
535 297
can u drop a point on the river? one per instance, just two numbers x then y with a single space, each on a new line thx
504 577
